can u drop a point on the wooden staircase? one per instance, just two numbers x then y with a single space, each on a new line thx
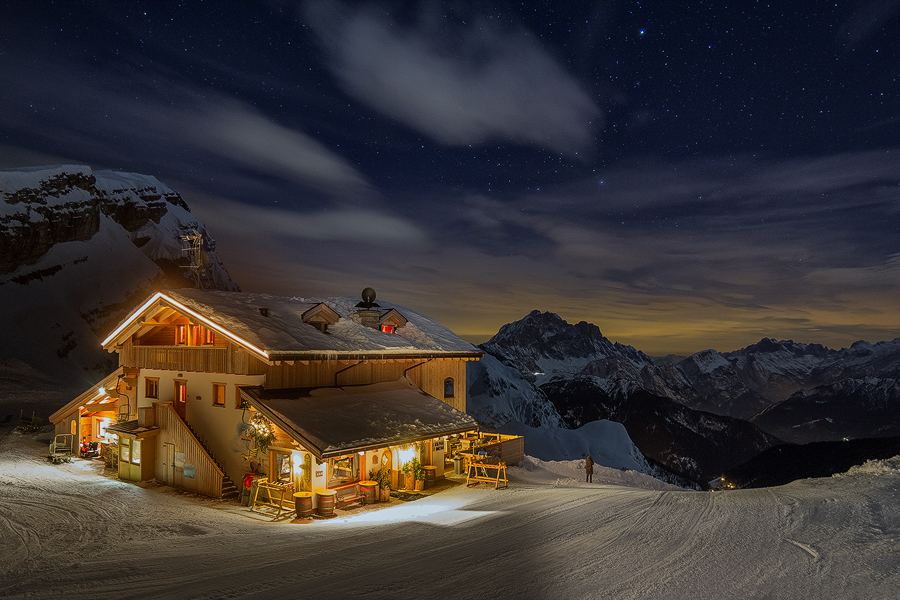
229 489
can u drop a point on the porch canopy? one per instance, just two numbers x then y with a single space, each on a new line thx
332 422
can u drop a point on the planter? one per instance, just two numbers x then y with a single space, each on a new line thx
420 485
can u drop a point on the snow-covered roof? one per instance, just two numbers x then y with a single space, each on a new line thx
279 333
336 421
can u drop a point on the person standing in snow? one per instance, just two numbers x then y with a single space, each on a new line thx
588 469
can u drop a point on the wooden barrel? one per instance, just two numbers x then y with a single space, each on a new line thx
369 490
325 502
430 476
303 504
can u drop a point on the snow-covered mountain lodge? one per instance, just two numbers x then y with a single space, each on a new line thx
346 387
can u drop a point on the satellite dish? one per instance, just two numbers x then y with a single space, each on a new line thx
368 295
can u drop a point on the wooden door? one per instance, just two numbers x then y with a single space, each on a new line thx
181 399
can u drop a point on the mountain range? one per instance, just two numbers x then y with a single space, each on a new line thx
78 247
697 415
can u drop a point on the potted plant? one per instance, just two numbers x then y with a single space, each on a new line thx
408 473
418 474
383 477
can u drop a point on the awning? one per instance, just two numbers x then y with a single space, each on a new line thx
335 421
131 429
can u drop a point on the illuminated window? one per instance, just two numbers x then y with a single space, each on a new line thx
125 450
181 335
218 394
135 452
100 425
209 337
448 387
151 387
343 470
388 328
282 466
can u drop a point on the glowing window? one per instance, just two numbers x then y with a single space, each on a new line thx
283 466
181 335
388 328
125 450
136 452
343 470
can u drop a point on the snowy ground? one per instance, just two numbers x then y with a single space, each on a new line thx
68 531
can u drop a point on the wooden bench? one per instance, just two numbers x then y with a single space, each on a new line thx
354 498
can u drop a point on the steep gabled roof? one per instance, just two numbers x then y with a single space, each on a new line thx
273 328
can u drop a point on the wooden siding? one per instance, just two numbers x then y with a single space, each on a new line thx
203 359
175 436
428 374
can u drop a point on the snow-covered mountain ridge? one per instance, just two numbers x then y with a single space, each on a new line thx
77 248
689 413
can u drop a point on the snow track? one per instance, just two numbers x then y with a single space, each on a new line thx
69 531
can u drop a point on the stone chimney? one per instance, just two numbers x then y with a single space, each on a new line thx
368 313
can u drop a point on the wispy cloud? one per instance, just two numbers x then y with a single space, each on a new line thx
241 133
457 84
155 121
351 225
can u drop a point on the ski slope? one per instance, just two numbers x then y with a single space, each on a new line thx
70 531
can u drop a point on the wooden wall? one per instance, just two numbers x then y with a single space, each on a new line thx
173 437
203 359
427 373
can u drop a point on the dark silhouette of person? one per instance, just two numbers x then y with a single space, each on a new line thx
589 469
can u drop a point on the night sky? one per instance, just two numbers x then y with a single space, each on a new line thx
685 175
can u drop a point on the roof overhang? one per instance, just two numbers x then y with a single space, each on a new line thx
159 300
90 397
378 355
331 422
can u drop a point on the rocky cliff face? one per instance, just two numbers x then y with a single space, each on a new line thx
43 206
77 248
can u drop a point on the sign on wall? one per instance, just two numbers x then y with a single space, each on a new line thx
189 471
438 445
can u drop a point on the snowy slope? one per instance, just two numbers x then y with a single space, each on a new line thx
68 531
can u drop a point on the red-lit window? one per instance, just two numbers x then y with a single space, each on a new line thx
181 335
181 391
209 337
196 335
388 328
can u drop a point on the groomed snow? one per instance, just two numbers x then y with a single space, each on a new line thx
70 531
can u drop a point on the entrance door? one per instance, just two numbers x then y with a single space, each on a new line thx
181 398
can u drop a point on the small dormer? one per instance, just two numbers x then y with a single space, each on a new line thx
320 316
391 320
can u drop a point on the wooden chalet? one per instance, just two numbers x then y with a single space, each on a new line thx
345 387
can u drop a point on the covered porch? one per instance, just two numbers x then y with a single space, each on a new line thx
345 438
